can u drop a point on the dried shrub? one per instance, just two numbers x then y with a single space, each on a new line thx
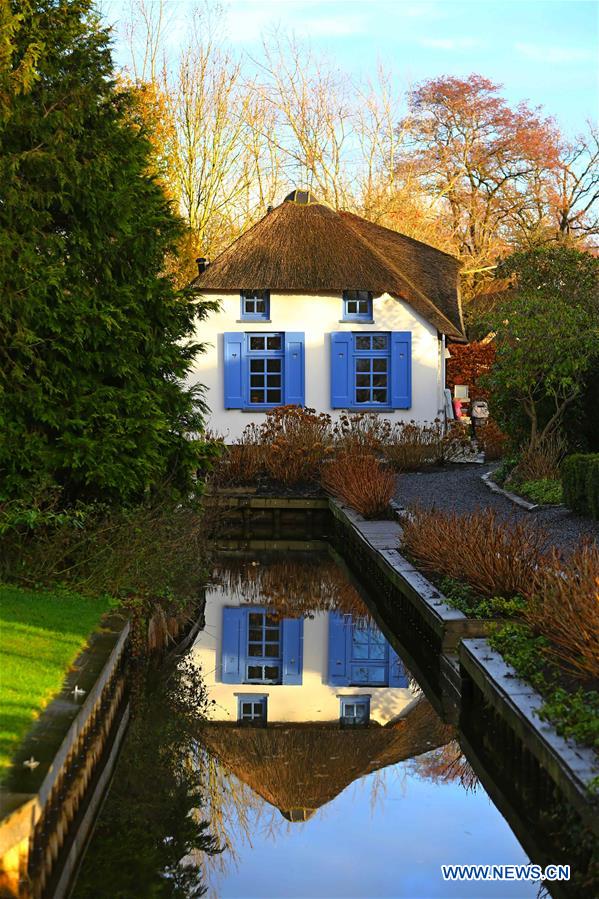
363 431
296 443
411 446
497 558
563 606
491 440
361 481
241 462
541 460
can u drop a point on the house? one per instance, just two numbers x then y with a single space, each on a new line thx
328 310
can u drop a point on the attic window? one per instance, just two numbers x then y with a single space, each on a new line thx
355 711
255 305
357 305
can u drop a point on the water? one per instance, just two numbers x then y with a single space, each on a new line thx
340 782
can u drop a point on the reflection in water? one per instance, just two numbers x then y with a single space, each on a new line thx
319 765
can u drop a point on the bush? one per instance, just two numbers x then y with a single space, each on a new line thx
541 460
361 481
492 441
496 558
363 431
563 607
296 443
546 491
241 462
411 446
580 481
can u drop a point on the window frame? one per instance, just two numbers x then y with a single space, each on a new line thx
265 354
367 316
250 295
359 699
263 660
254 698
371 354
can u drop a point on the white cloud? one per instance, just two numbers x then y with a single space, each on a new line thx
539 53
248 20
450 43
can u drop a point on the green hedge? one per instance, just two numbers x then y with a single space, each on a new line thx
580 480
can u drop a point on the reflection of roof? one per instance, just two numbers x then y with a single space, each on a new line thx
305 246
299 768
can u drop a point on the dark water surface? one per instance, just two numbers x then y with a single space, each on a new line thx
345 783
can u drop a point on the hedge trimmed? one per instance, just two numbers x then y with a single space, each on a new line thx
580 481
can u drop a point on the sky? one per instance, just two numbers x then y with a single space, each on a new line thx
542 51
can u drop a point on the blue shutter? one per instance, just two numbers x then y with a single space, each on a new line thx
233 645
397 672
235 377
401 370
341 369
293 379
339 636
293 646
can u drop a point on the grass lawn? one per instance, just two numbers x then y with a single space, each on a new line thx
41 635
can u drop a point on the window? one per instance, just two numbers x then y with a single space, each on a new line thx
264 649
255 305
258 648
371 370
251 710
263 369
357 305
359 654
369 656
355 711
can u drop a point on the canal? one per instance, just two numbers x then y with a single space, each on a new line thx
290 753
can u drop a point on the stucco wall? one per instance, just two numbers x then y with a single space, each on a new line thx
317 317
313 700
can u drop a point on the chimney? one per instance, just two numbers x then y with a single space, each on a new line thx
202 264
269 209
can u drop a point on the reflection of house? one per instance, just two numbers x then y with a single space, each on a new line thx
326 667
299 768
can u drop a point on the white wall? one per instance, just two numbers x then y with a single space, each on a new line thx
313 700
317 316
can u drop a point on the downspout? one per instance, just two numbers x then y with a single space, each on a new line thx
443 380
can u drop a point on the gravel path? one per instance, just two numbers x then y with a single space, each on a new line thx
459 488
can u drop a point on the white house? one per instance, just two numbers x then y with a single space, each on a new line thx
327 310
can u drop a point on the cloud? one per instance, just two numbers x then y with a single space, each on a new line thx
248 20
539 53
450 43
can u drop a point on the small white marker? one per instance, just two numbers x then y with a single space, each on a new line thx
77 692
31 763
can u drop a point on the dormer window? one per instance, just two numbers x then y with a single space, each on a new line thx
255 305
357 306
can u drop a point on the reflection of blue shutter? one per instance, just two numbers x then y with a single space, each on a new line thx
397 672
234 342
341 369
401 370
294 369
233 645
293 640
339 632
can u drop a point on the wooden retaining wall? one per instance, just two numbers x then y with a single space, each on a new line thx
251 518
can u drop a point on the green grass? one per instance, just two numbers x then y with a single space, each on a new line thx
41 634
544 491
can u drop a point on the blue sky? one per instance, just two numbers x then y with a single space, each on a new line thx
543 51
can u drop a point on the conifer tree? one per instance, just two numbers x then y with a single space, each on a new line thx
95 342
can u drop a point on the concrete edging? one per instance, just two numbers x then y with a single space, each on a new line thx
512 497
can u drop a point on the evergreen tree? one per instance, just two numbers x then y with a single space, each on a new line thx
94 340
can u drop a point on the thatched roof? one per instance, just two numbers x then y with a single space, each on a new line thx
299 768
307 247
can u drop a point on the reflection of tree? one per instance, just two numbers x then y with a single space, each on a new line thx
298 585
446 764
152 828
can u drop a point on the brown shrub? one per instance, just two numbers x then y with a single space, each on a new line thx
363 431
411 446
296 443
492 441
361 481
564 607
241 462
496 558
541 461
